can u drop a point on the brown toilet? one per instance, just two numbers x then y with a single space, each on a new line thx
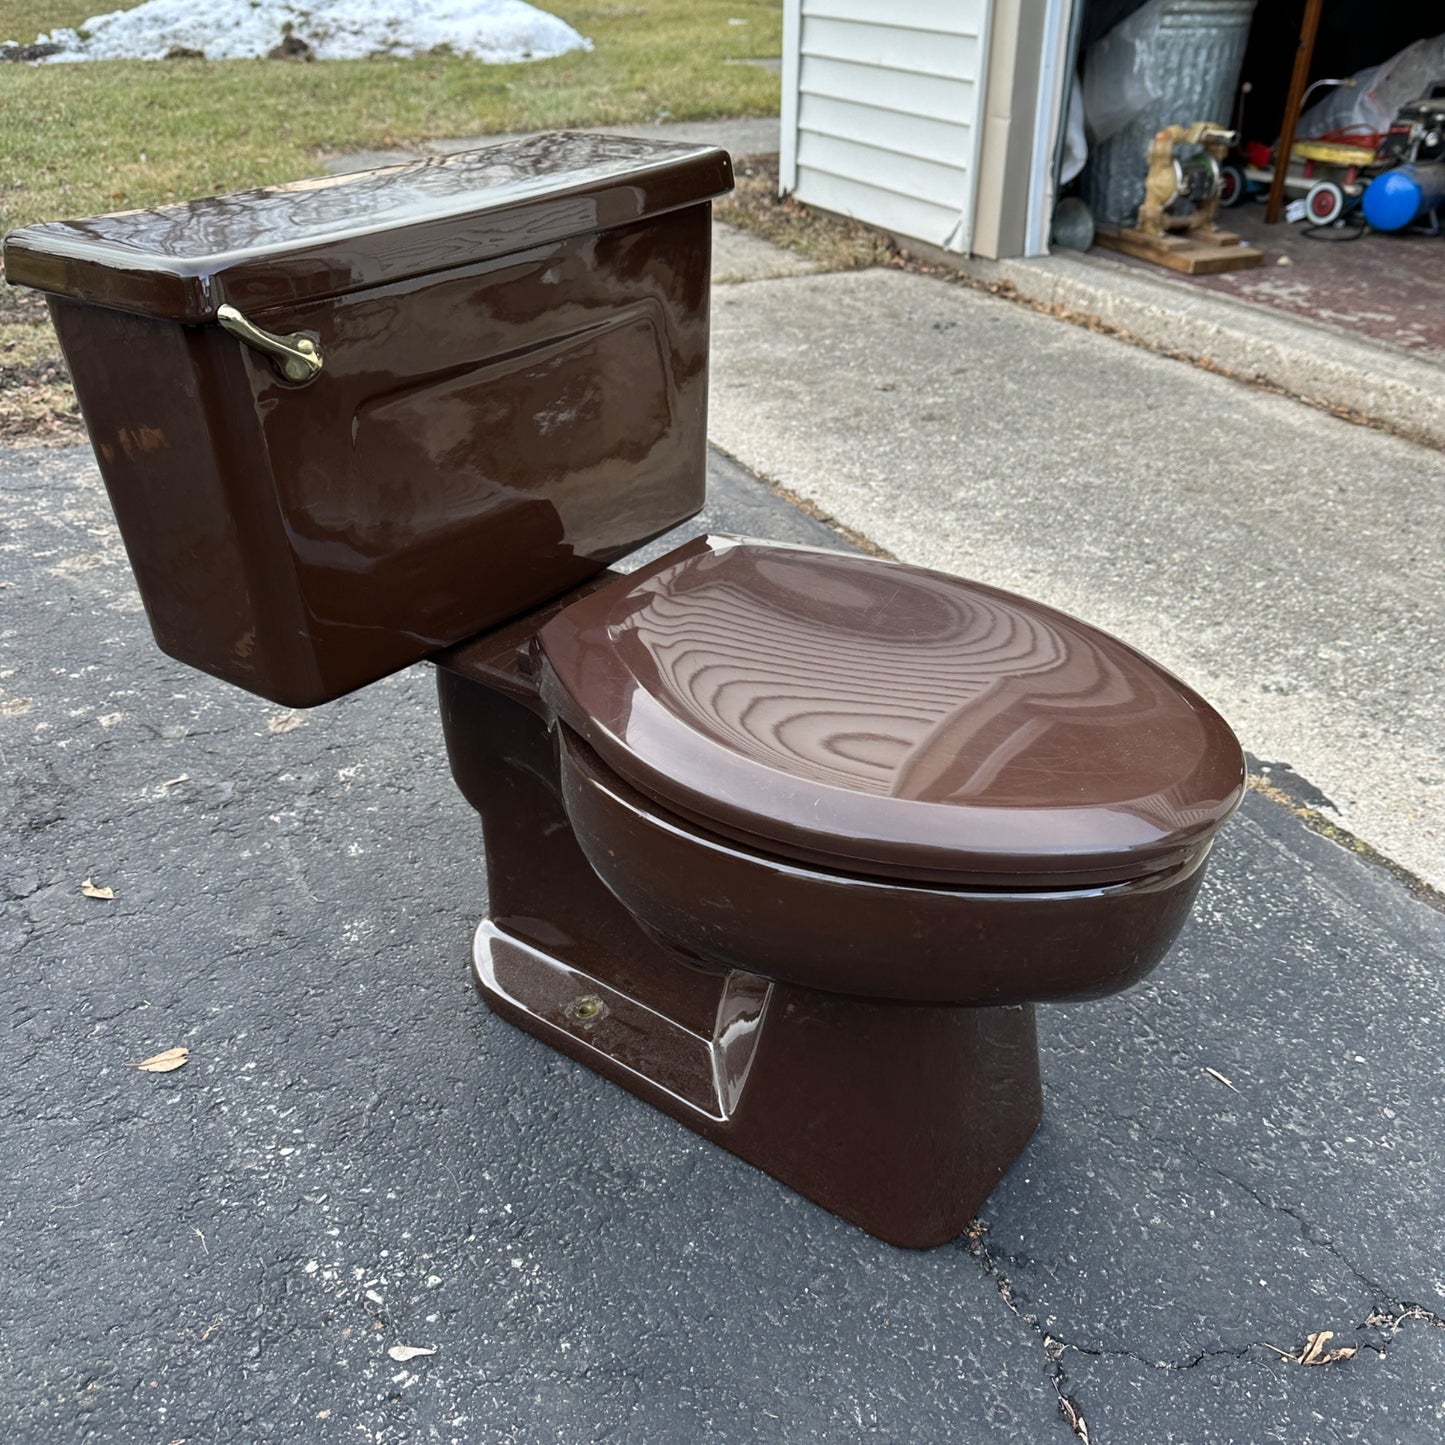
788 842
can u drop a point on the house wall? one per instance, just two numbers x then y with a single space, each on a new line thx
932 119
881 111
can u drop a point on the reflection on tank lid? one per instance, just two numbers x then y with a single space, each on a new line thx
286 244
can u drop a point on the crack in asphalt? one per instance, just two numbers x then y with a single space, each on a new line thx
1069 1410
1385 1320
1312 1233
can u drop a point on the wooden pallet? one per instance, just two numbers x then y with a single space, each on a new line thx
1198 253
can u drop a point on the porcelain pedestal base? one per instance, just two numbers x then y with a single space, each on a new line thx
900 1117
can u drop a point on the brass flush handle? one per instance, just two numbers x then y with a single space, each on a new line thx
297 356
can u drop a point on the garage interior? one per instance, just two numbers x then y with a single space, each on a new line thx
1385 285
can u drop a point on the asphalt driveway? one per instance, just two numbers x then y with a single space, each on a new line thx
1244 1152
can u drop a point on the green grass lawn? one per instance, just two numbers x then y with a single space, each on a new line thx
112 135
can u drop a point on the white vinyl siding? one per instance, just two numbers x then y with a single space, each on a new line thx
881 108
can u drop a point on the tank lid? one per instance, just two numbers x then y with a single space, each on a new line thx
300 242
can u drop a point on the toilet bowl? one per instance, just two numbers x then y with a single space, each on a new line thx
790 761
723 905
788 842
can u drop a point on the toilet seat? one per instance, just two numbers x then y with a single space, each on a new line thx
888 721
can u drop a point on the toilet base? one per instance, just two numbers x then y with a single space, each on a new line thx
899 1117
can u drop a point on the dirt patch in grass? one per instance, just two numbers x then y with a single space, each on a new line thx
37 402
835 242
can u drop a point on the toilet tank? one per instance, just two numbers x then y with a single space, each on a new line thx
511 393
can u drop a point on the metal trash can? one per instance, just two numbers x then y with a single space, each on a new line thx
1186 59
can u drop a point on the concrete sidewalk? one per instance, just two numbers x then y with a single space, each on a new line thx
1323 365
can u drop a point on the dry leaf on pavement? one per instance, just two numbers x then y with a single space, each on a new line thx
92 890
1314 1352
1069 1409
402 1353
163 1063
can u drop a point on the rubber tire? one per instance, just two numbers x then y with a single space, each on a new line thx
1232 186
1324 203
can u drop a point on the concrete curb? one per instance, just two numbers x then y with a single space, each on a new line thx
1360 380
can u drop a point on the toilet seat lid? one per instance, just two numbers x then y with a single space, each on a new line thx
882 718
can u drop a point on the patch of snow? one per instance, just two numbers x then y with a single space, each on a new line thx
496 31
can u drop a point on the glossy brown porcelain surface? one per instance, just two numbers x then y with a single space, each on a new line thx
287 244
481 438
899 1117
723 906
883 718
844 822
